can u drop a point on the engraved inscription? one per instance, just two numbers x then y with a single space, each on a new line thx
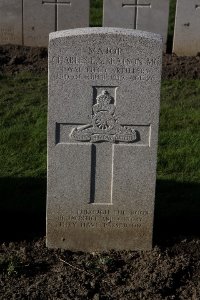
81 60
104 126
7 34
86 218
35 38
108 50
104 64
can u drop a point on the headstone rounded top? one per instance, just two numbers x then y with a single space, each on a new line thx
103 113
105 30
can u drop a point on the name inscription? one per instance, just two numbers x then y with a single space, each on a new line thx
104 64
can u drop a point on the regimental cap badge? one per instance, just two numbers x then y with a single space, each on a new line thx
104 126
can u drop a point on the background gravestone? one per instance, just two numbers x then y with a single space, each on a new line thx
29 22
104 91
11 22
44 16
187 25
147 15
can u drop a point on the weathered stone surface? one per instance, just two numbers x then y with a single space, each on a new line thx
148 15
104 91
29 22
75 15
39 21
44 16
187 24
11 22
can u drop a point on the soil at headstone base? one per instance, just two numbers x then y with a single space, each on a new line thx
31 271
28 270
14 59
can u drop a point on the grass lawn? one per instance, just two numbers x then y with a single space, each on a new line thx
23 112
23 109
96 13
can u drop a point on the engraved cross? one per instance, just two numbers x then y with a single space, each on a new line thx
56 3
104 135
135 5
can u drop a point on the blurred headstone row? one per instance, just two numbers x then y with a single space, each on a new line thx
29 22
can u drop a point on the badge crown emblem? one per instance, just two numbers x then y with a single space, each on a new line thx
104 126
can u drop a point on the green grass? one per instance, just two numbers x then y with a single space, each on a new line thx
96 13
23 155
179 142
172 13
23 106
23 122
23 111
178 172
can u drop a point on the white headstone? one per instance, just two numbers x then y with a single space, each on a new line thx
187 28
104 95
148 15
29 22
11 22
44 16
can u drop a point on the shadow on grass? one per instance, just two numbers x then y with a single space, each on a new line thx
169 47
177 212
23 210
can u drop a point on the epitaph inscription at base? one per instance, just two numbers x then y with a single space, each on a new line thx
104 91
11 22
